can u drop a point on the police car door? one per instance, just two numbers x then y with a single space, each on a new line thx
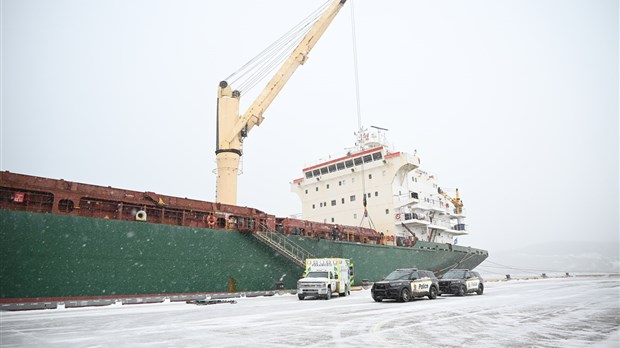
472 281
420 284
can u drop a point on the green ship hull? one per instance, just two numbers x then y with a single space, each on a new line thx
51 256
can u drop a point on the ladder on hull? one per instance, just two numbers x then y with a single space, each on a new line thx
284 246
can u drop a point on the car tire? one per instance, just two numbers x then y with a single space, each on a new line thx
329 294
301 297
432 293
462 291
377 299
405 295
480 289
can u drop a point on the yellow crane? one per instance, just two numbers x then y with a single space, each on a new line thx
232 127
457 202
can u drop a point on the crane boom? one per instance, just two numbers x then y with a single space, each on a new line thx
232 128
457 202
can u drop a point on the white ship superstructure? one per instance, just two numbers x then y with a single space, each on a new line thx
372 186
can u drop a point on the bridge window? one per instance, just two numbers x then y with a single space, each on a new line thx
367 158
348 163
332 168
377 156
357 161
340 165
308 175
324 170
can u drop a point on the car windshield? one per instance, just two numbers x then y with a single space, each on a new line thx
454 275
317 275
398 275
428 274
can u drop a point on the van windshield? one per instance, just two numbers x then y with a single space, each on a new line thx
318 275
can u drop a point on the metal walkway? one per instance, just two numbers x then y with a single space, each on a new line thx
284 246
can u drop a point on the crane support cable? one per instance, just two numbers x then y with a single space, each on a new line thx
270 58
265 62
290 35
268 66
271 62
268 63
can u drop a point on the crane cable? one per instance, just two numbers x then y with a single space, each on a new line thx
263 64
359 113
355 68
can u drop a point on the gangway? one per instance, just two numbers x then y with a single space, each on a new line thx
284 246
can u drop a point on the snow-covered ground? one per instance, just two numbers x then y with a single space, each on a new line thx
569 312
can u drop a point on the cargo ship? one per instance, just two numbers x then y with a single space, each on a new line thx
64 240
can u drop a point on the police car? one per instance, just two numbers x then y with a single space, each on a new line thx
405 284
460 282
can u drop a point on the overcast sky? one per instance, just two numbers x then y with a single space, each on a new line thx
513 102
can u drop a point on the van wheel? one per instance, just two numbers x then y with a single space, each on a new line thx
432 293
300 296
405 295
480 289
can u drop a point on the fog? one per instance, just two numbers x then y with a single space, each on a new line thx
515 103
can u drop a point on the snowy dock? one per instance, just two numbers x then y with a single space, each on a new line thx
551 312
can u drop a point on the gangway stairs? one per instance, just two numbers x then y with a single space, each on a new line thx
284 246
